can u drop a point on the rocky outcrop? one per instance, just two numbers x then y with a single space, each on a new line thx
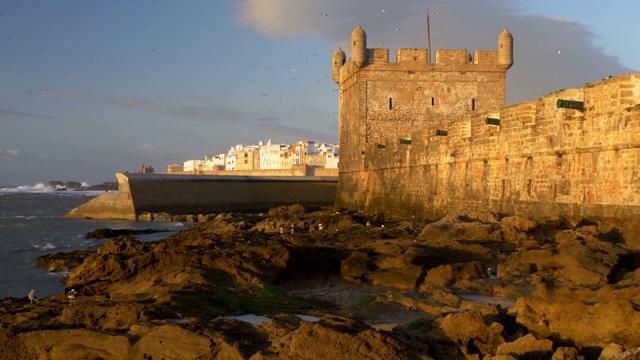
361 286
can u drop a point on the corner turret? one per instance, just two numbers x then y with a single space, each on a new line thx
359 46
505 50
337 60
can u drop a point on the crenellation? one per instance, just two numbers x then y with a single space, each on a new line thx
377 56
484 57
411 55
452 57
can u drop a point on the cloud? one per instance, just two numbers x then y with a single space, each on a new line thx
280 18
454 24
147 147
283 131
206 112
13 152
25 114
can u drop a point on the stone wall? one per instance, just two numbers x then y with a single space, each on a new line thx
202 194
540 161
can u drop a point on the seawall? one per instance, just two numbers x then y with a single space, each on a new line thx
539 161
204 194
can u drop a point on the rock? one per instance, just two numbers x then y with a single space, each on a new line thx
519 223
405 291
105 233
469 331
595 322
355 267
162 217
72 185
449 275
63 261
611 352
145 216
567 353
338 338
527 347
453 227
56 184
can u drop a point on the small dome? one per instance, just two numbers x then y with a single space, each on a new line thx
358 33
505 35
338 54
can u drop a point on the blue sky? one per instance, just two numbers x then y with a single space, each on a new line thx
90 87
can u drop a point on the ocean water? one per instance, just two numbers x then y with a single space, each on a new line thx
31 224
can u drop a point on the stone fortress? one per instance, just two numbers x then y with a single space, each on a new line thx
427 140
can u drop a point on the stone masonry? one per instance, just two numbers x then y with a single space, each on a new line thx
533 159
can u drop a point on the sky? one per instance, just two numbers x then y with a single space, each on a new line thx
89 88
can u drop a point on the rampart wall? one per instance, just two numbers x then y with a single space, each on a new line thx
540 161
202 194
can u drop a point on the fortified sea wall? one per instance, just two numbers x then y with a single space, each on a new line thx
533 159
203 194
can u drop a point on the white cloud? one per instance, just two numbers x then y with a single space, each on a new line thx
147 147
279 18
13 152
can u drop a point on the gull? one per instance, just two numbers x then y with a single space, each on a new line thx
33 297
383 11
72 296
27 92
397 29
151 49
43 89
324 14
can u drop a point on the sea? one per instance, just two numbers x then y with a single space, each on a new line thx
32 224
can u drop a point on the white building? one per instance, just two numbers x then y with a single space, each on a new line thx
270 155
194 165
215 162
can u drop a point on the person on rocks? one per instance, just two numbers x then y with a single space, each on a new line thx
33 298
72 295
281 231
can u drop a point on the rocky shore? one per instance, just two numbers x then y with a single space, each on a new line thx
324 283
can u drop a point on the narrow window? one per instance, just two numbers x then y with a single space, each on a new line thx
433 101
473 104
390 103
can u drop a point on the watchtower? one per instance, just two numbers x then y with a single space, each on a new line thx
379 99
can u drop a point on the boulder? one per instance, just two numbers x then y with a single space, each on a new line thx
449 275
527 347
467 332
452 227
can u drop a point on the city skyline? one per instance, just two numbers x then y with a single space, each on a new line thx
90 90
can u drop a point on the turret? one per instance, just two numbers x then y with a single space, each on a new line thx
359 46
337 60
505 49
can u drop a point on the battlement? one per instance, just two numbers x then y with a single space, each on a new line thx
442 57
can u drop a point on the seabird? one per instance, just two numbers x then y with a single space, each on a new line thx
33 297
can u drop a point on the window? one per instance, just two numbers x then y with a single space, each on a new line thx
473 104
390 103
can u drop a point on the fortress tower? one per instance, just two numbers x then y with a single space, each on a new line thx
379 99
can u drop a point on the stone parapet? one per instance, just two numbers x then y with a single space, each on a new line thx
203 194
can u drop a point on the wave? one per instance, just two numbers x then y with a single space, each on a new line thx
49 246
42 188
